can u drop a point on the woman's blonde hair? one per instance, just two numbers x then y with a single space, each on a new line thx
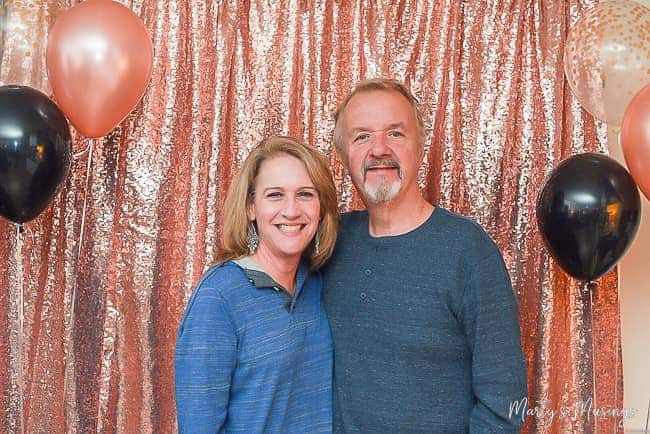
235 217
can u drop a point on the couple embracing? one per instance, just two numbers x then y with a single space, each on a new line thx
400 318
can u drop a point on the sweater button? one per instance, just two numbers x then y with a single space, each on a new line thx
363 296
368 272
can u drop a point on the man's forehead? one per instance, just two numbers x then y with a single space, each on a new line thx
359 113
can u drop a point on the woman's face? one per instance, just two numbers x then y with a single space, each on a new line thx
286 207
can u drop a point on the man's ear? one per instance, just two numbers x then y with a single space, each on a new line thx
343 156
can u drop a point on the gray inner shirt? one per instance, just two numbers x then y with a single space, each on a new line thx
258 277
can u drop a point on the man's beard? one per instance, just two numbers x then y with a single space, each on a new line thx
385 191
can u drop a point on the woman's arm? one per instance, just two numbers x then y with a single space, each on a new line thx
204 363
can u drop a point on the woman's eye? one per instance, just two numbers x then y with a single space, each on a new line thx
306 195
274 195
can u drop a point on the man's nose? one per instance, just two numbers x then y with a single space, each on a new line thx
380 146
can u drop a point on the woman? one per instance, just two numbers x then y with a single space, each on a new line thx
254 351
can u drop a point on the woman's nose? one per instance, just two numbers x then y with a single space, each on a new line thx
291 208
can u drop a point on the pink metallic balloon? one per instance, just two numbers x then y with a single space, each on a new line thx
99 60
635 139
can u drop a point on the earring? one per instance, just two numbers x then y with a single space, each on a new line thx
317 243
253 239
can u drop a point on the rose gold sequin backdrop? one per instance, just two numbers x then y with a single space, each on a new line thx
104 284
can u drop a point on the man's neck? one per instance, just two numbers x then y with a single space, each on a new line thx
399 216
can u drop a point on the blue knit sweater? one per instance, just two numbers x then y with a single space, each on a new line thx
250 358
425 329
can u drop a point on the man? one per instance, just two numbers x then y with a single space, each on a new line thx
423 317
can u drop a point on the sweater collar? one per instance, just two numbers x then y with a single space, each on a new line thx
262 280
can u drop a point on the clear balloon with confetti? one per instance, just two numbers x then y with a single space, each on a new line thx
607 57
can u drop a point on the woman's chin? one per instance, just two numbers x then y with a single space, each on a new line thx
287 250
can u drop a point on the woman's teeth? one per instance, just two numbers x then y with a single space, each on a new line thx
290 228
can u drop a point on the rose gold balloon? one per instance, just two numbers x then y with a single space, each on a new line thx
635 139
99 59
607 57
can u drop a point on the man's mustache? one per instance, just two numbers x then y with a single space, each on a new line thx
381 162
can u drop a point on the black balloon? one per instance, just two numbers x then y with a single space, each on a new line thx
588 213
35 152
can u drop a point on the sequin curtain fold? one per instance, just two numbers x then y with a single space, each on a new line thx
102 304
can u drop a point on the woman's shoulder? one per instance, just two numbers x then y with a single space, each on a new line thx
216 290
209 306
222 279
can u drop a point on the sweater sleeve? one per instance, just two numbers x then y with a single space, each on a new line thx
204 362
492 328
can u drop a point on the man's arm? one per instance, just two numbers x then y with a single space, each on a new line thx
204 363
491 323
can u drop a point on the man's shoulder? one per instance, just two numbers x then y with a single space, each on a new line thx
466 231
352 220
459 223
353 216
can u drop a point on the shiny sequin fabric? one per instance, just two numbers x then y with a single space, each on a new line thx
92 292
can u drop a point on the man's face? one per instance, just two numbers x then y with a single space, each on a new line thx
380 144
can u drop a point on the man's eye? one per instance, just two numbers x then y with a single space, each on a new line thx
361 137
395 134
